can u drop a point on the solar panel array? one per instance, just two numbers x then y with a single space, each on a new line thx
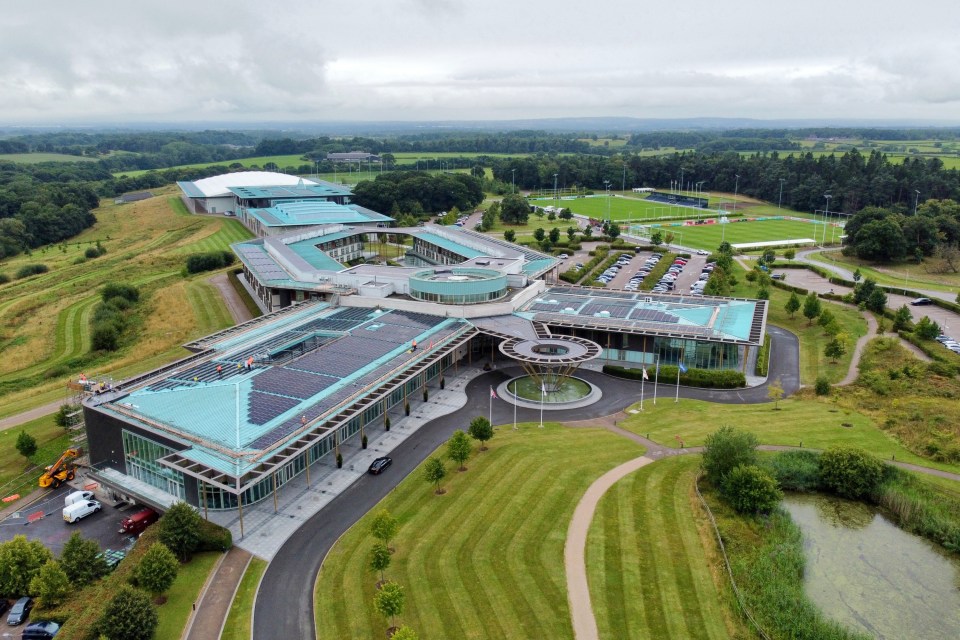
653 315
615 310
205 372
291 382
264 407
263 264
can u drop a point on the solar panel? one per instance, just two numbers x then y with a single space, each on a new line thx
653 315
615 311
264 407
290 382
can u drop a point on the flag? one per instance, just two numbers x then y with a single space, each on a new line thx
683 369
645 376
543 387
493 394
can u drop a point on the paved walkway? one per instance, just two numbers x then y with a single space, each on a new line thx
231 298
30 414
210 612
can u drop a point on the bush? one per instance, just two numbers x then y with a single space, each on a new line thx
750 489
850 472
129 616
703 378
28 270
726 449
180 530
4 278
211 261
797 470
822 386
157 569
763 357
213 537
126 291
105 338
26 444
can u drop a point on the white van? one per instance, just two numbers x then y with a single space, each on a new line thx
77 496
80 510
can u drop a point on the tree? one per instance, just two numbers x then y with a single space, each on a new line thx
514 210
384 526
180 530
835 349
826 317
404 633
725 449
509 235
157 569
389 601
613 231
863 291
857 276
926 329
434 472
20 561
880 241
571 233
877 301
769 256
775 393
565 214
539 234
669 237
793 304
51 585
554 235
790 254
129 616
459 448
849 471
750 489
902 318
588 232
380 558
656 238
811 307
763 293
26 444
81 560
481 430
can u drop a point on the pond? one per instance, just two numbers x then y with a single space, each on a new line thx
867 573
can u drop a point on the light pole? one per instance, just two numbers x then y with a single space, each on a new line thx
916 201
606 183
736 190
681 178
623 183
554 190
780 199
826 218
513 180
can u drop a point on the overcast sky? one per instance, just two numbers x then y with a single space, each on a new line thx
171 60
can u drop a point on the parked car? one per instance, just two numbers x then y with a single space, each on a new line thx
919 302
42 630
563 256
20 611
379 465
79 510
778 276
135 523
701 252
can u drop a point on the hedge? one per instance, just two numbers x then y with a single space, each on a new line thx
702 378
763 357
28 270
603 266
657 272
209 261
934 350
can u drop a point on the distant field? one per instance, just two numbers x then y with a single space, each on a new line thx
32 158
630 207
710 236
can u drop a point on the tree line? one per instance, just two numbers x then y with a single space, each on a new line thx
416 193
887 235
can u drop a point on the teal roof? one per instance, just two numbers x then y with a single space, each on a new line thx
307 249
537 266
314 212
191 190
450 245
300 191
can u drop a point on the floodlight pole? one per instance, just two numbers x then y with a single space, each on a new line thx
606 183
736 190
780 199
555 190
513 181
826 218
916 201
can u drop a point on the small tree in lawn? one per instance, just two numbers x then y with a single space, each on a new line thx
81 560
481 430
725 449
811 307
380 559
157 569
384 527
857 275
902 318
927 329
656 238
404 633
389 601
459 448
790 254
509 235
775 393
129 616
26 444
826 317
434 472
588 232
20 561
835 348
51 585
793 304
180 530
539 234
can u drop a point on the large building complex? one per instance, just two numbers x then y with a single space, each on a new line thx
342 346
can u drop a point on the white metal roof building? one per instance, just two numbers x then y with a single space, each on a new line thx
213 195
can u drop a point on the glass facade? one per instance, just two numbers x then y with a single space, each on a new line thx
141 457
459 286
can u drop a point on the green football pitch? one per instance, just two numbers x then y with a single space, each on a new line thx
710 236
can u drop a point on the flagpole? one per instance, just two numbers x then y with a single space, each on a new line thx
677 399
515 397
490 406
656 381
543 390
642 378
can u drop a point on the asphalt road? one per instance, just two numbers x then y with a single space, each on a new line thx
284 605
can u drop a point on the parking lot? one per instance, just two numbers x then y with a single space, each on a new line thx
686 277
43 521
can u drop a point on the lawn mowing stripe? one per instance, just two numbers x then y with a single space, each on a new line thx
604 550
630 530
654 614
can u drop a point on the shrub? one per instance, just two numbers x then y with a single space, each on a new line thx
180 530
91 253
850 472
725 449
211 261
28 270
750 489
26 444
797 470
105 338
704 378
129 616
763 357
4 278
213 537
51 585
157 569
20 561
822 386
126 291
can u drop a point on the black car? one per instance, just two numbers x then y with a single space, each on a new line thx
20 611
921 302
40 630
378 465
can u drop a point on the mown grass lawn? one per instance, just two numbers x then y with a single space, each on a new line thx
908 275
184 592
651 560
484 560
237 626
19 475
816 423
